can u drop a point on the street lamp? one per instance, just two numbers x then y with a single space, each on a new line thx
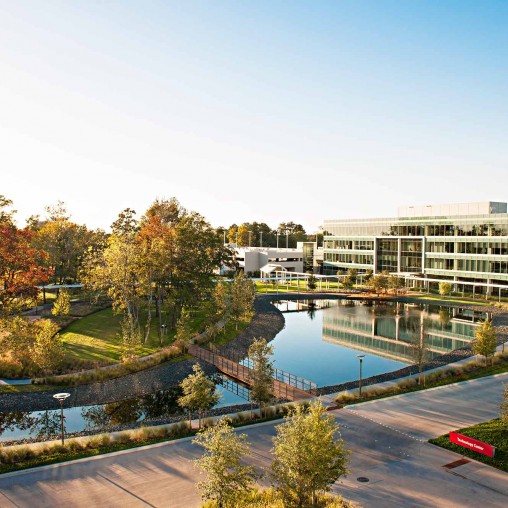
277 240
287 239
261 241
61 397
360 357
250 233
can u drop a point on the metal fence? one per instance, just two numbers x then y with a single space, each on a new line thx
285 385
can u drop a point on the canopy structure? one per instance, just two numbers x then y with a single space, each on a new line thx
270 268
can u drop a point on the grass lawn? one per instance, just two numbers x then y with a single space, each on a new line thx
494 433
96 338
262 287
451 299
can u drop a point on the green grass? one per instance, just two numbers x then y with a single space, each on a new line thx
494 432
26 388
451 299
231 331
96 338
262 287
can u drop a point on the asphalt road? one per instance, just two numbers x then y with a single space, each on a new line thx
387 439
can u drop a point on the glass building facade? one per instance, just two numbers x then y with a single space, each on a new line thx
461 247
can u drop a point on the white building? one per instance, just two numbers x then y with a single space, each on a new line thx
257 259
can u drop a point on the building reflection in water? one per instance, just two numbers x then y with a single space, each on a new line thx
388 329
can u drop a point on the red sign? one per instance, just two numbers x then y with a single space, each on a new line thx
472 444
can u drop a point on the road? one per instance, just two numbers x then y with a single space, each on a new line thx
387 439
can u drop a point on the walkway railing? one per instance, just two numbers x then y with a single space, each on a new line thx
301 389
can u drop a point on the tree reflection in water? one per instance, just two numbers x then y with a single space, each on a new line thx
44 425
156 405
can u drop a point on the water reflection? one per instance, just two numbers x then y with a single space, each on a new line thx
42 424
150 407
388 329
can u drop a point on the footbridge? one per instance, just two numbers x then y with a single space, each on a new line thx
285 385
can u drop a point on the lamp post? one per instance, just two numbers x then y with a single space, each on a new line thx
360 357
277 240
287 239
250 233
61 397
261 241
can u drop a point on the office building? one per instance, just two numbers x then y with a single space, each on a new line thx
465 242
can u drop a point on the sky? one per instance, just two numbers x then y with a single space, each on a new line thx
268 111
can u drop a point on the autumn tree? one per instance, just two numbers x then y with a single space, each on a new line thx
20 268
6 216
64 241
309 455
226 477
262 371
485 342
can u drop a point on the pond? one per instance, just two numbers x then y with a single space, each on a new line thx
320 342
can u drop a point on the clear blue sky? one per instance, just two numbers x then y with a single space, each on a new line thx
252 110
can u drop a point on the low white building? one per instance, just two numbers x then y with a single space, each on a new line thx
254 259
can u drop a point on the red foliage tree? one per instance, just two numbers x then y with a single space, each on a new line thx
20 269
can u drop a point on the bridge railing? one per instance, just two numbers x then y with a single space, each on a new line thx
286 385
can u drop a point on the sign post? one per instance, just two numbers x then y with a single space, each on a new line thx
472 444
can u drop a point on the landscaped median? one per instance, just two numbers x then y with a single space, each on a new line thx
494 432
24 456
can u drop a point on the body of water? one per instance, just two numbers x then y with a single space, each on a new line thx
320 342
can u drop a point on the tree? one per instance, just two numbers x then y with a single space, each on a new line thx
350 279
243 235
378 283
226 477
184 327
395 282
485 340
62 305
6 217
198 393
295 233
368 275
20 268
131 338
418 344
47 350
34 345
64 241
261 389
312 282
445 288
243 294
309 455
